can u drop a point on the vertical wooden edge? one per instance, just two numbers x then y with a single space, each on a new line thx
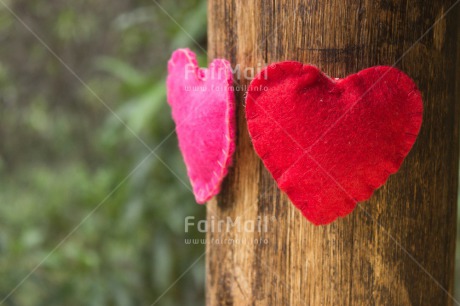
353 261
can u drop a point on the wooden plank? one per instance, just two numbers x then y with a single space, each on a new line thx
396 249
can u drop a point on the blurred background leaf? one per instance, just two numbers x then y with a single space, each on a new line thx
64 157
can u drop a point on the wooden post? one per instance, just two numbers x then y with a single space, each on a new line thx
397 248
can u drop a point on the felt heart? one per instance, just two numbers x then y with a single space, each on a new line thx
329 143
203 108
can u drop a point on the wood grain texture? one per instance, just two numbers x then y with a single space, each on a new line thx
395 249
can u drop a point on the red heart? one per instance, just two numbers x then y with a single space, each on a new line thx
329 143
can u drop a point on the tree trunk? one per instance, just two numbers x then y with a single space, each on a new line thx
398 247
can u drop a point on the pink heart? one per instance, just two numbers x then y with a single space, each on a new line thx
203 108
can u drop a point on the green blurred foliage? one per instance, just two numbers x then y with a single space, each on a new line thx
81 197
